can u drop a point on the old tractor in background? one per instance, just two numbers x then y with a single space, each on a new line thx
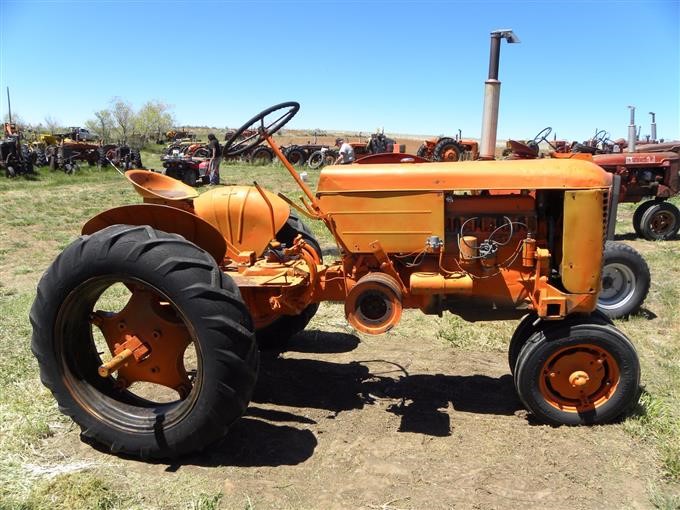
68 153
258 154
14 156
318 155
146 328
121 155
648 174
449 149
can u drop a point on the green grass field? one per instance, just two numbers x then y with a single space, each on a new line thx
41 215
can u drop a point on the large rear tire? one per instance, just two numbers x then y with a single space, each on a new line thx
180 299
261 156
447 149
296 156
275 336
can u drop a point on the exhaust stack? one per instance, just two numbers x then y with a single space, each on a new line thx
653 126
492 93
632 131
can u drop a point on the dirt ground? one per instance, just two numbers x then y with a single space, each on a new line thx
394 422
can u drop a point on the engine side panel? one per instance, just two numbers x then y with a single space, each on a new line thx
401 221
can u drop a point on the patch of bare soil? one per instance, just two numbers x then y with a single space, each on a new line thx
398 421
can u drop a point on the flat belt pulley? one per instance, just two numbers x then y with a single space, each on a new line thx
374 304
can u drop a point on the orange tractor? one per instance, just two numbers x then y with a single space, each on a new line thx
146 328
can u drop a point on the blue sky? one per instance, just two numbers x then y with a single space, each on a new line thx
408 66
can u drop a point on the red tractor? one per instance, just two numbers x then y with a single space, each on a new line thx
650 175
449 149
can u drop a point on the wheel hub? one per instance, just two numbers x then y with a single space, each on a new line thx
618 285
147 341
579 378
662 222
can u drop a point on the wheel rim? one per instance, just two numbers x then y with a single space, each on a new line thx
618 286
579 378
662 223
138 393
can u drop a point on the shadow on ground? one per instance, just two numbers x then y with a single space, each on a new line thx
275 437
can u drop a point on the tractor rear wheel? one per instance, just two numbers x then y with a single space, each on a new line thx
191 363
275 336
447 149
660 222
625 280
578 373
296 156
261 156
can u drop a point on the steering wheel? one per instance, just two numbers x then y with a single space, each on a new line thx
601 137
543 136
235 146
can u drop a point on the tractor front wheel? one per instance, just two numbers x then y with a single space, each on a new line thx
315 160
423 151
531 323
578 373
144 342
275 336
625 280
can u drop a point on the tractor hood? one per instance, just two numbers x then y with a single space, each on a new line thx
642 159
468 175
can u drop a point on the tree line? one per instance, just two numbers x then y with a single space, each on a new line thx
122 123
117 123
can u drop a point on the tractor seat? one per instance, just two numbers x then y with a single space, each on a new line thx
522 150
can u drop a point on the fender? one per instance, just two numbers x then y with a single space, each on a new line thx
165 218
248 217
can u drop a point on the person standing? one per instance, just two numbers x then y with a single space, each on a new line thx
346 152
215 158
